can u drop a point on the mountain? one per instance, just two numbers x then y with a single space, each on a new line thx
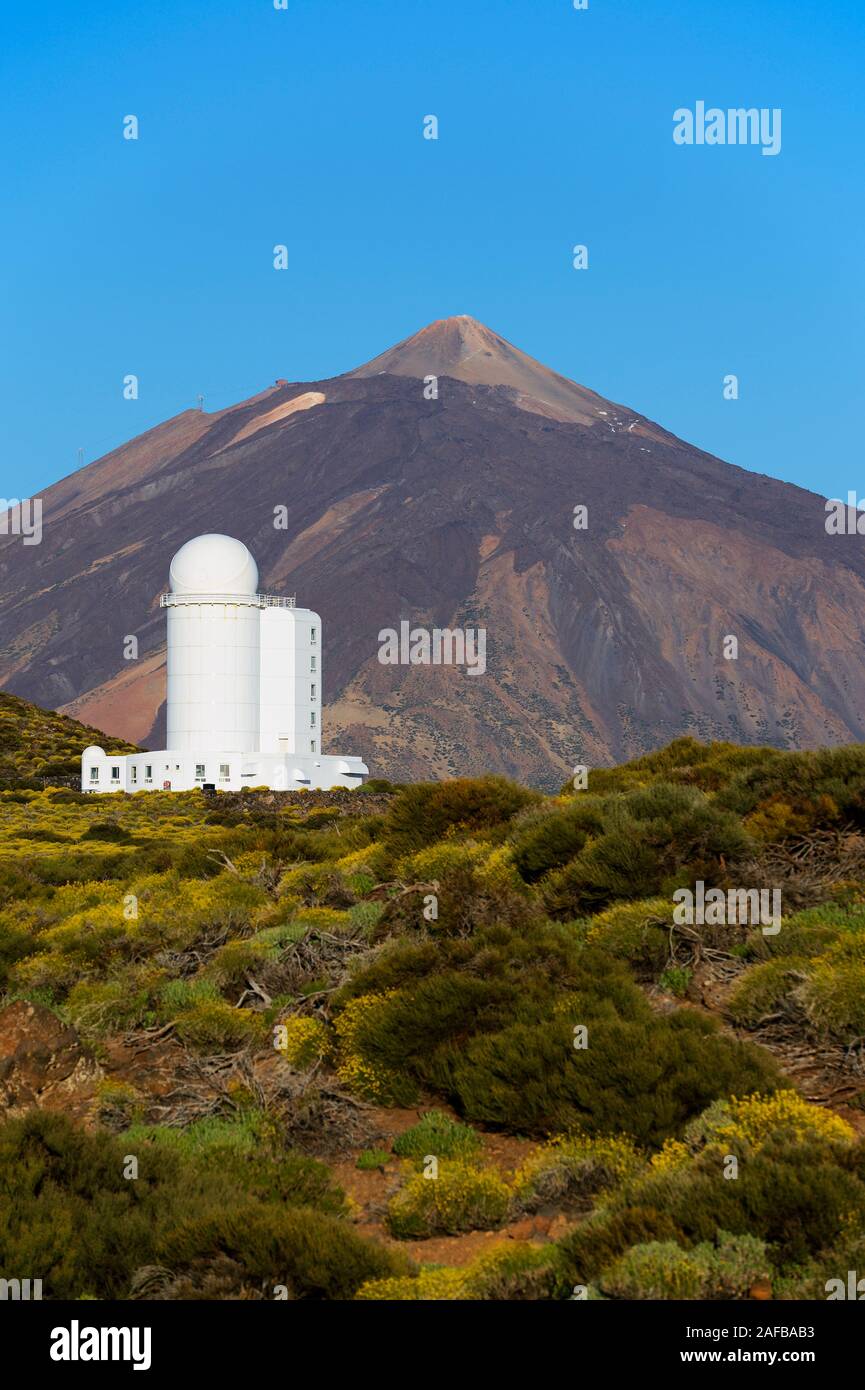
457 509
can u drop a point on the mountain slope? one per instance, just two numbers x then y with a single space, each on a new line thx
37 743
458 511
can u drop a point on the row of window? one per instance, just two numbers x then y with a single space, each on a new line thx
200 768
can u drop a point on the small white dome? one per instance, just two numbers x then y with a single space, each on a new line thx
213 564
94 751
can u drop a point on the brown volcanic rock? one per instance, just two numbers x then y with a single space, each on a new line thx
601 644
43 1063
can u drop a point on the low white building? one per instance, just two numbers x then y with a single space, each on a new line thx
244 687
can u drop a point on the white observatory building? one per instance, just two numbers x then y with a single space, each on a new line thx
244 687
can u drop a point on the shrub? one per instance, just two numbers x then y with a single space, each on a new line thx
70 1215
212 1024
652 839
765 989
460 1198
797 1197
676 979
548 838
488 1023
571 1170
107 830
757 1120
437 1134
427 811
662 1269
637 932
430 1284
644 1078
833 995
371 1159
584 1252
242 1157
365 915
802 779
313 1255
509 1272
98 1007
303 1041
357 1069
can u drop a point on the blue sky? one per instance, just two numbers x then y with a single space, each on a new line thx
304 126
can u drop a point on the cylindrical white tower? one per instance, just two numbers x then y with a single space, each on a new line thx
213 647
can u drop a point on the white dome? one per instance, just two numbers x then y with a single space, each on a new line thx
213 564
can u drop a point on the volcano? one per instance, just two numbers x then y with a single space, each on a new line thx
440 484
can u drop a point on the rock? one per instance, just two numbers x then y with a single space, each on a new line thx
762 1290
558 1226
535 1227
522 1230
43 1063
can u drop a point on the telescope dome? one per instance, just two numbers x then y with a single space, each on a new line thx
213 564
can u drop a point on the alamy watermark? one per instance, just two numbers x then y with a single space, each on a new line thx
755 907
420 646
845 518
735 126
21 516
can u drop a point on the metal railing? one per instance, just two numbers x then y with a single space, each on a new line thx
248 600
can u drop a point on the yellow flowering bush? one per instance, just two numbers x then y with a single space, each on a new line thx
672 1156
756 1119
461 1197
438 1285
367 1079
302 1041
514 1270
214 1023
439 860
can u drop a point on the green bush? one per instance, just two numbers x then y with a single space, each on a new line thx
488 1023
766 989
797 1197
653 839
547 838
662 1269
427 811
636 932
372 1159
596 1243
308 1253
436 1133
217 1192
107 830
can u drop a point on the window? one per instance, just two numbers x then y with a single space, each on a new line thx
224 771
115 774
312 634
134 771
312 663
312 745
312 692
312 718
94 774
148 772
199 772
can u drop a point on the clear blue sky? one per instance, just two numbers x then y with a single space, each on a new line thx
303 126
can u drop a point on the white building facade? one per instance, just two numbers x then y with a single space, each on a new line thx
244 687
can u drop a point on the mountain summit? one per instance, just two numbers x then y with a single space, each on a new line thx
379 505
461 347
